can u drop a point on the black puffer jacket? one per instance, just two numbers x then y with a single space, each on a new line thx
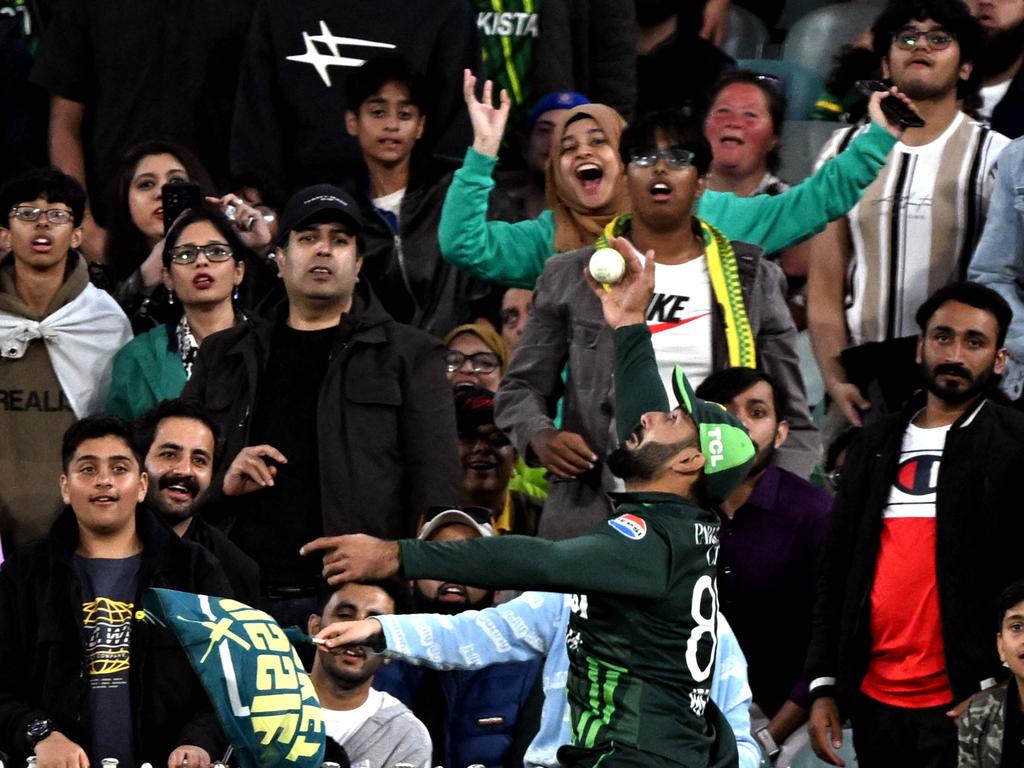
42 667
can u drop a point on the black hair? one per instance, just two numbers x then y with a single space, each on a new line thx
92 428
127 247
50 184
973 295
1010 596
205 212
722 386
397 589
952 15
679 129
773 95
377 72
179 408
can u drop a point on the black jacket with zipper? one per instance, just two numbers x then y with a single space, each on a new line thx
386 419
979 530
42 664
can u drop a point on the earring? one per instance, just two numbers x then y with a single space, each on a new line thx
234 295
170 297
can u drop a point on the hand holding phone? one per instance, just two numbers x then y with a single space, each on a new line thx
177 197
895 110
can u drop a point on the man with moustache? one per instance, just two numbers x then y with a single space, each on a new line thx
472 715
773 527
924 534
181 445
999 65
374 729
917 224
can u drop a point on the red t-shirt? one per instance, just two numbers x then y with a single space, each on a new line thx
908 665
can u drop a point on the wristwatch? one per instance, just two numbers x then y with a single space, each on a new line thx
764 736
38 730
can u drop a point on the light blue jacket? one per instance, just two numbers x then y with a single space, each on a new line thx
999 258
535 624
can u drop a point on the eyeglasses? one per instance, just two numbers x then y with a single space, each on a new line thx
53 215
214 252
481 362
676 158
908 39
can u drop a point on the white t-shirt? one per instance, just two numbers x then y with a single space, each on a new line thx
341 724
679 318
391 203
913 493
991 95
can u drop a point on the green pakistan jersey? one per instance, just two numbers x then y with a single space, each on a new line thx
508 30
643 630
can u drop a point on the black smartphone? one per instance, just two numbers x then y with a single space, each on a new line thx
178 196
894 109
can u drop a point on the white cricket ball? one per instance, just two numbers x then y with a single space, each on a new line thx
607 266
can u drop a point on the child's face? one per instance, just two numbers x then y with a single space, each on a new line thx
1010 640
387 126
41 245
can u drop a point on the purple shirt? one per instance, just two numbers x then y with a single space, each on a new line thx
767 576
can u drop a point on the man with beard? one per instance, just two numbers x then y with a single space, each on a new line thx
924 534
918 222
1002 84
180 442
773 527
472 715
643 630
374 729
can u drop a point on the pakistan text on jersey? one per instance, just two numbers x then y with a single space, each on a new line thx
506 24
45 400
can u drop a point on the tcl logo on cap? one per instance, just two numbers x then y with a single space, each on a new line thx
630 526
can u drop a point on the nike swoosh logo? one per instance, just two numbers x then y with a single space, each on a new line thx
659 327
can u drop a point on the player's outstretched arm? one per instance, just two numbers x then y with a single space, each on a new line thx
356 557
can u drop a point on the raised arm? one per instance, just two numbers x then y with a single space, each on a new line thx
775 222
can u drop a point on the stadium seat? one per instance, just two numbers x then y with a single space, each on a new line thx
794 10
801 86
815 39
806 758
747 36
801 142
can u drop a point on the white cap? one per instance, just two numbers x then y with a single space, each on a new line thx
453 517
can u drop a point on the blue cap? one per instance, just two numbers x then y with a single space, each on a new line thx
554 100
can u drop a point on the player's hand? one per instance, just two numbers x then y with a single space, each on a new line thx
878 116
488 121
850 401
340 635
356 557
564 454
189 756
58 751
826 730
626 302
250 471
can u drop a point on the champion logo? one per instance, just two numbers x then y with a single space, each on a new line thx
630 526
919 476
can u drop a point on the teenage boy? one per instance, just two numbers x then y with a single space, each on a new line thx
58 337
991 731
643 632
84 674
400 198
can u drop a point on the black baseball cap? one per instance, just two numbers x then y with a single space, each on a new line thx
308 202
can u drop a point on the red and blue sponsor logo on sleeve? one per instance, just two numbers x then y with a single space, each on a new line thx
630 526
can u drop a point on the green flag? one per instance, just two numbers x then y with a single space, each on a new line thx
263 697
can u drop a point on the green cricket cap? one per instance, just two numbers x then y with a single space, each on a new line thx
727 448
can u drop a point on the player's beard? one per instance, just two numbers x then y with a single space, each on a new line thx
1002 48
645 462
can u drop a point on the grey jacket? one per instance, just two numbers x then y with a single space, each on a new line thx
391 737
567 325
981 729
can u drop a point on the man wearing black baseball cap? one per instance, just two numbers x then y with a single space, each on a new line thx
336 418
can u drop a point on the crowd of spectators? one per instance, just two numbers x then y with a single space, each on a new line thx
277 271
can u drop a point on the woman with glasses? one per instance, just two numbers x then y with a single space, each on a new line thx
132 269
476 355
585 190
203 266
